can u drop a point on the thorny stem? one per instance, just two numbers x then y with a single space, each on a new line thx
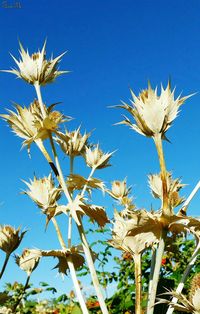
71 268
22 294
4 265
138 283
184 276
158 262
158 142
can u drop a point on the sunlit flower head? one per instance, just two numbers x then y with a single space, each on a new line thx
95 158
36 68
43 192
10 238
29 124
119 189
28 261
153 113
73 143
173 188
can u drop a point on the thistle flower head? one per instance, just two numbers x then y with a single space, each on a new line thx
173 188
29 124
96 159
29 260
119 189
10 238
43 192
153 113
36 68
73 143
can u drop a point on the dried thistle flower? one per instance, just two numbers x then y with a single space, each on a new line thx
29 260
77 182
43 192
119 189
29 124
36 68
73 143
153 113
10 238
96 159
173 188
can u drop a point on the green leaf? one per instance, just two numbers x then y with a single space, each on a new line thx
76 310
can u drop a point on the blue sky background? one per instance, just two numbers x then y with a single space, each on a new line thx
112 46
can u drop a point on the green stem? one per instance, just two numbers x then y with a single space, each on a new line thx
4 265
184 277
138 283
158 262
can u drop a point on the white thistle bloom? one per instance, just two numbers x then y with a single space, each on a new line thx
153 113
43 192
10 238
95 158
36 68
119 189
29 260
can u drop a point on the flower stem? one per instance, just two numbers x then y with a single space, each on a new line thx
88 179
154 284
138 283
72 269
93 273
4 265
188 200
70 216
38 92
165 206
153 260
184 276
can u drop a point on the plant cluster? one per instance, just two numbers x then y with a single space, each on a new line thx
144 236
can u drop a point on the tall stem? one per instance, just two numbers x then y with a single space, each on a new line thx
153 261
70 216
4 265
188 200
93 273
158 262
184 277
158 142
38 92
88 179
72 269
138 283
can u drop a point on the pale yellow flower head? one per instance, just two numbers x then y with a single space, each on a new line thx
73 143
10 238
36 68
153 113
95 158
29 124
29 260
43 192
173 188
119 189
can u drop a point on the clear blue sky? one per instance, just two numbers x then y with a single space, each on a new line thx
112 45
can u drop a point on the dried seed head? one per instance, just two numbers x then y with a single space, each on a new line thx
73 143
29 260
44 193
10 238
153 113
36 68
96 159
195 285
119 190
